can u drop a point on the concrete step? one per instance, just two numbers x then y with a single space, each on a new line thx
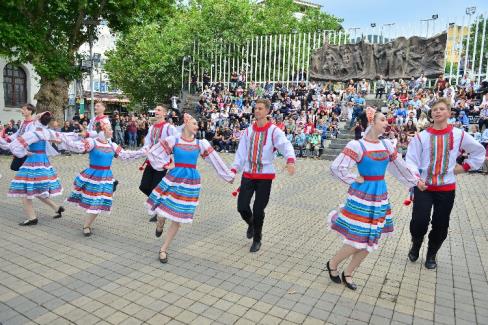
328 157
340 141
330 151
345 136
336 145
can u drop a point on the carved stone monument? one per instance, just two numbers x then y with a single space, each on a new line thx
400 58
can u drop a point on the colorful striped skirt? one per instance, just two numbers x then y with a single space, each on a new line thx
365 217
93 191
36 178
176 196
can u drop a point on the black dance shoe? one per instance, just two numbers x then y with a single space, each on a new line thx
87 232
165 259
29 222
430 261
413 254
59 213
336 278
153 219
351 285
158 232
256 246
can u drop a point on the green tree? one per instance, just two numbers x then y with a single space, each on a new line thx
48 34
146 63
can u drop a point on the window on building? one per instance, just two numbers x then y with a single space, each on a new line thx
14 86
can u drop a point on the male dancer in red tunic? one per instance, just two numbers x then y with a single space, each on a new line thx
158 131
433 152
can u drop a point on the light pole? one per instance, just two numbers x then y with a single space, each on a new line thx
434 17
373 25
355 29
382 27
91 24
186 58
470 12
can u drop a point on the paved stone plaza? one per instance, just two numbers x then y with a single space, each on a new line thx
51 274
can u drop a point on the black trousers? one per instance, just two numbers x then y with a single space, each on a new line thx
150 179
442 202
262 188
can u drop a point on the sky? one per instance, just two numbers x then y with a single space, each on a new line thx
405 14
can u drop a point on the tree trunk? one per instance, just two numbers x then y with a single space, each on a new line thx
53 97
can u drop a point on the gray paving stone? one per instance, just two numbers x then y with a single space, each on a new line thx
53 275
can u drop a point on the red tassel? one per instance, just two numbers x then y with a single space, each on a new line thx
407 202
143 166
234 194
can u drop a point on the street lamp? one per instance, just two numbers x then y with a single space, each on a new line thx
388 25
355 29
433 19
470 11
373 25
91 24
186 58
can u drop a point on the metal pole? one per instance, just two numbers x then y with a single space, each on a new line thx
298 56
270 72
265 66
288 63
460 51
256 60
475 45
482 47
274 58
280 59
308 57
466 57
453 45
92 95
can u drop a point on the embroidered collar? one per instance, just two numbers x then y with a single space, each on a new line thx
104 141
371 141
446 130
263 128
186 140
98 118
160 124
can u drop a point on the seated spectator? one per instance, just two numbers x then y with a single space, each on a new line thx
392 138
464 120
358 130
226 143
411 129
400 114
402 144
300 141
218 139
314 143
423 122
236 136
67 127
475 132
484 137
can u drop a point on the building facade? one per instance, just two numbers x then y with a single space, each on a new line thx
20 83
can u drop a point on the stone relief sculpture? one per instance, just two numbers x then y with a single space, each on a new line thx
400 58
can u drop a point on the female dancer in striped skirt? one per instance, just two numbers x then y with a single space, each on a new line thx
176 196
36 177
93 188
367 212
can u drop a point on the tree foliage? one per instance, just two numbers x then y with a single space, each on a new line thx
48 33
147 61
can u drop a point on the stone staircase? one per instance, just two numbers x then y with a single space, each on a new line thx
189 102
336 146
